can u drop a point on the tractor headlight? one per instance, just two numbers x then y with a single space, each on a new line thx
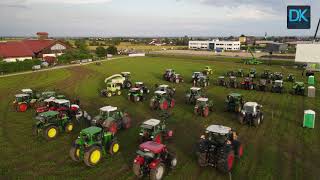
152 137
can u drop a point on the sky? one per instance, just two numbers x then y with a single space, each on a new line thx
152 18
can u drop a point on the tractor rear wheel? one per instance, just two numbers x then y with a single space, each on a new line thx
158 172
75 153
206 112
225 161
256 121
92 156
22 107
136 98
137 170
114 147
164 105
241 119
126 122
173 161
69 127
195 110
238 148
202 159
51 132
172 103
118 93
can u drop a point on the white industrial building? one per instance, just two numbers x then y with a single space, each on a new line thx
215 45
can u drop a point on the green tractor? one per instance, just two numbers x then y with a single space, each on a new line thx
112 119
234 102
93 144
111 90
136 95
207 71
253 60
161 100
127 82
291 78
232 82
22 102
154 130
50 123
266 74
202 81
221 81
203 107
298 88
193 94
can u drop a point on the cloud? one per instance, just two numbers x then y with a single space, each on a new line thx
69 1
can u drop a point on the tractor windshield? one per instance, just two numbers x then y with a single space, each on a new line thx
217 138
40 118
248 109
146 154
85 138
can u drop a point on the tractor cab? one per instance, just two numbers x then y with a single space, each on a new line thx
166 88
234 102
20 98
250 108
126 74
109 111
196 75
195 91
219 135
240 73
266 74
201 102
150 127
298 88
169 71
278 83
90 136
221 78
277 76
47 117
234 97
151 149
291 78
160 94
139 84
27 91
135 90
232 78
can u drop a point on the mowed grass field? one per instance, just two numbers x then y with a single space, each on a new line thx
279 149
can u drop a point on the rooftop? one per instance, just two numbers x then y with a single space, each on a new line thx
152 146
91 130
152 122
108 108
218 129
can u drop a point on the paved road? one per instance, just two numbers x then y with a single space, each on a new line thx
59 67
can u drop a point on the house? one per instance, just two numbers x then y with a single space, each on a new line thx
41 47
215 45
277 47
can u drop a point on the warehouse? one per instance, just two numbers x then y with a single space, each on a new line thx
215 45
41 47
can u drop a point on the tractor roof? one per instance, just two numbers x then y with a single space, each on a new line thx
196 72
108 108
139 83
251 104
160 92
299 83
50 99
152 122
234 94
218 129
22 95
152 146
49 113
278 81
48 92
232 77
125 73
221 76
195 88
91 130
26 90
61 101
163 86
207 66
169 69
135 89
202 99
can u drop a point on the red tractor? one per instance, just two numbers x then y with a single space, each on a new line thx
61 105
153 159
248 84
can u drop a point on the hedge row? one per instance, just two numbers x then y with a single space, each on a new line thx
10 67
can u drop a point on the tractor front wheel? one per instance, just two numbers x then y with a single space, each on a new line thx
75 153
164 105
256 121
92 156
51 132
119 93
241 119
137 170
158 172
206 112
69 127
202 159
114 147
109 94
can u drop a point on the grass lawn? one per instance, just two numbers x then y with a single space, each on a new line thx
279 149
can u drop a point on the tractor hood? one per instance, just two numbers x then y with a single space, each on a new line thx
96 120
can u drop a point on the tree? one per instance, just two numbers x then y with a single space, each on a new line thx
112 50
101 51
82 45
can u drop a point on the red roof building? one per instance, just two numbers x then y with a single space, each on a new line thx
31 48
